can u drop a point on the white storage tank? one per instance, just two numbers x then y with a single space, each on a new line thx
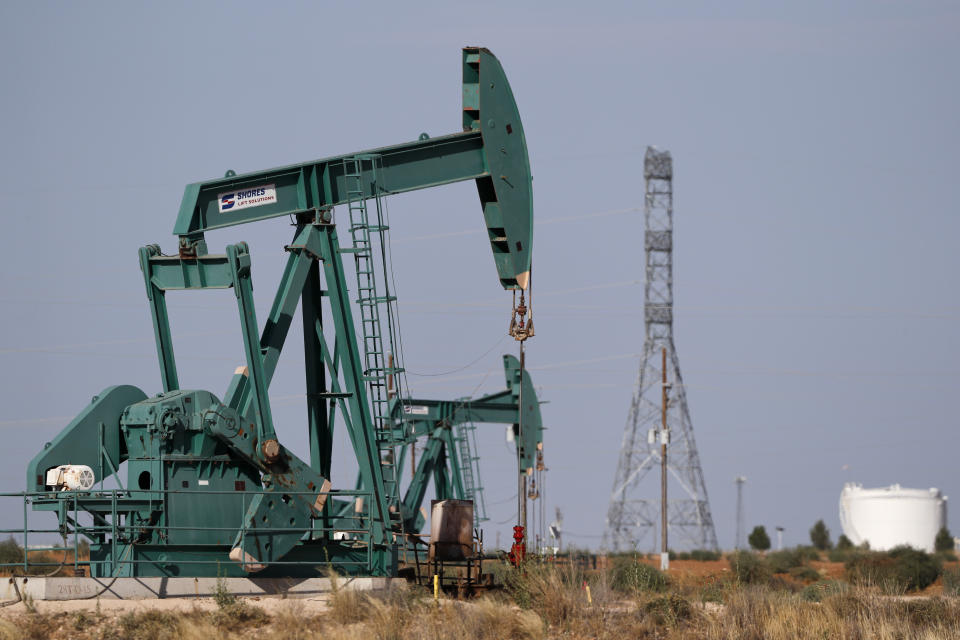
892 516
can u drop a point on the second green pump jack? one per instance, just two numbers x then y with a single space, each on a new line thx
446 458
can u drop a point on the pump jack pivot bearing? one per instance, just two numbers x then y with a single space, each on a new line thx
270 450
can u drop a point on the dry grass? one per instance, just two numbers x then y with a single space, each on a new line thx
542 602
770 615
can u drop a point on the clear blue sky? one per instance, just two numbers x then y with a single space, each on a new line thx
815 228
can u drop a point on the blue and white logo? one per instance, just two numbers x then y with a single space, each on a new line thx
255 196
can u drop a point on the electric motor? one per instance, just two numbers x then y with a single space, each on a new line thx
71 477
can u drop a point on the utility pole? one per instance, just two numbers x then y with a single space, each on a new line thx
779 538
664 439
739 480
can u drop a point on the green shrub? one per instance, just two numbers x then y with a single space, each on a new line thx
817 591
943 541
715 589
779 583
809 554
149 625
840 555
867 567
513 580
916 569
844 543
820 536
922 612
849 604
759 539
749 568
238 613
783 561
555 593
10 551
699 555
951 582
631 576
900 569
804 573
81 621
222 595
668 609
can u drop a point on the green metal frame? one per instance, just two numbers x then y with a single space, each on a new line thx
491 150
184 445
434 421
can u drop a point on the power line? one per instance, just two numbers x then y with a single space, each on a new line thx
466 366
540 223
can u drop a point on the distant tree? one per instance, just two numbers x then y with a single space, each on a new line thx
844 543
10 551
943 541
820 536
759 539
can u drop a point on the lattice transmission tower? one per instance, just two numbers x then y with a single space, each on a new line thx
634 514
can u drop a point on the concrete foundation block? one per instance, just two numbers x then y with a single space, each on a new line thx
147 588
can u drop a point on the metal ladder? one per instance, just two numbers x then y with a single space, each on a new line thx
466 438
370 303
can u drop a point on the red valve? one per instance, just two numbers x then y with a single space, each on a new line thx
519 550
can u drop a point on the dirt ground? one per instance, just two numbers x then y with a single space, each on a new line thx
680 571
693 569
680 568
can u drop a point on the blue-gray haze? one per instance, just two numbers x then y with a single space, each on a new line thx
815 230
